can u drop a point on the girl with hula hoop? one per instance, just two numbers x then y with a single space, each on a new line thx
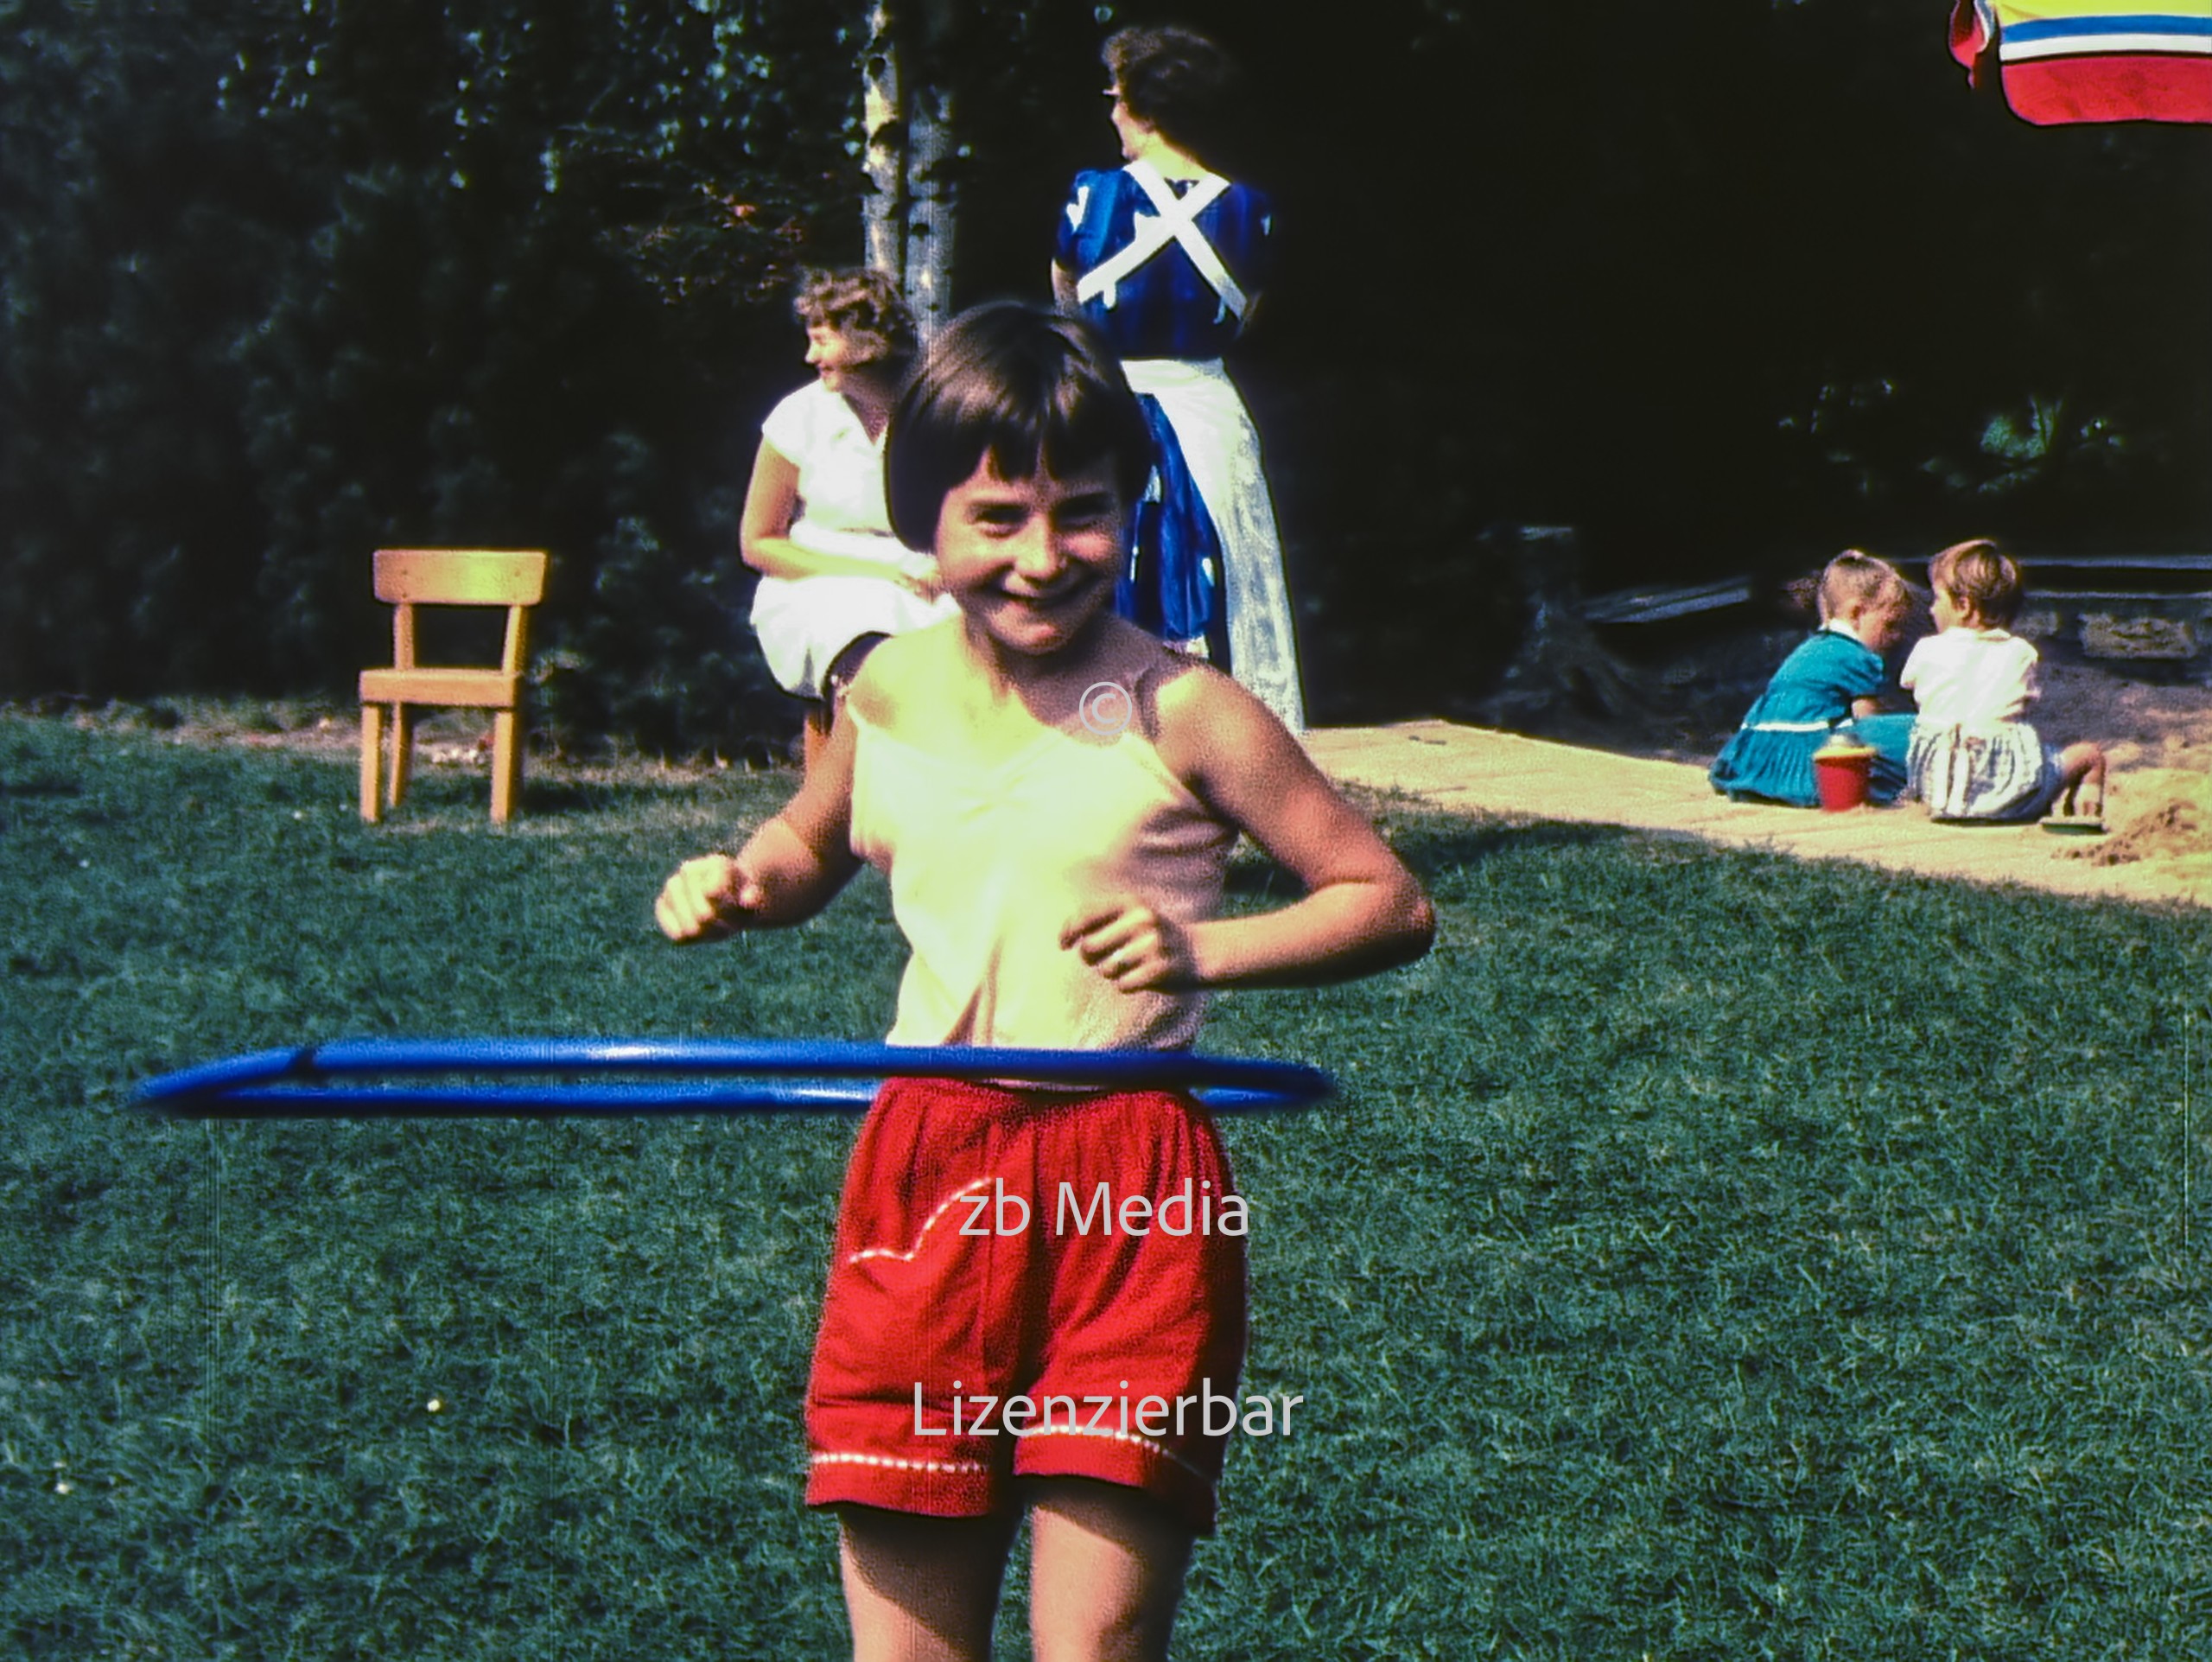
1053 795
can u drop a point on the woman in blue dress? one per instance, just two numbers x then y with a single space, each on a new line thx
1165 257
1830 682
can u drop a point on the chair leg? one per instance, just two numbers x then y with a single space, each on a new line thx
506 764
372 762
403 751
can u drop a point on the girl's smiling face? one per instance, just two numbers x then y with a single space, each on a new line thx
1950 612
831 355
1031 562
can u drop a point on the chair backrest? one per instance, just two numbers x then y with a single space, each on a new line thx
514 578
461 576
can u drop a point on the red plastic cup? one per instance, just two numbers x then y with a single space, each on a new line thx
1842 772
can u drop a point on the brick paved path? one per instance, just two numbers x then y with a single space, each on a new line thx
1475 769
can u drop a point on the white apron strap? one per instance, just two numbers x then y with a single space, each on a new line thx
1176 222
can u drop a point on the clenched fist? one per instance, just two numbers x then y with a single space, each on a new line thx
1133 947
707 899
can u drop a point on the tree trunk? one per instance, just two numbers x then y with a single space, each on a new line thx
932 208
910 216
1561 662
884 213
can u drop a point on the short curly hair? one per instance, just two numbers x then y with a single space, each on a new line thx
865 307
1175 80
1982 579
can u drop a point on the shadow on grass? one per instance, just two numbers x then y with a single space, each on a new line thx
545 798
1433 846
463 799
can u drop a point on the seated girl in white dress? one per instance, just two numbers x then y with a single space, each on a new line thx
1974 755
834 581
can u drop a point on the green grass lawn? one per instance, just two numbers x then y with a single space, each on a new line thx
1709 1256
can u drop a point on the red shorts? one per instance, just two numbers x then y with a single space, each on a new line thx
978 1261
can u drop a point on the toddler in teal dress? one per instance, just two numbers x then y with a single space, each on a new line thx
1829 682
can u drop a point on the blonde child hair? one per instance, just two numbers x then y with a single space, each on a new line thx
1984 582
1856 581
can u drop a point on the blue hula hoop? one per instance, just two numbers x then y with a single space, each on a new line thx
337 1079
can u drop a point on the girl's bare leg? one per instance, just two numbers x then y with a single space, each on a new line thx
922 1589
1106 1573
2082 779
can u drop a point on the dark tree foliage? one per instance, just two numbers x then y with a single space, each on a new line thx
289 282
1725 286
132 238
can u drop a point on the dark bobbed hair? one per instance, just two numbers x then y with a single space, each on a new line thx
1176 81
1027 387
1983 578
865 307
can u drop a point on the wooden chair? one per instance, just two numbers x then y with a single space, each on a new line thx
407 577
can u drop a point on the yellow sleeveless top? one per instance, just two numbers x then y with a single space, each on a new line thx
988 863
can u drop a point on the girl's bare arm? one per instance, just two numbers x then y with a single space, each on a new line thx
790 869
1363 911
763 529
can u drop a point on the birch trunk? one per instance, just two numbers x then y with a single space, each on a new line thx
911 207
884 213
932 209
